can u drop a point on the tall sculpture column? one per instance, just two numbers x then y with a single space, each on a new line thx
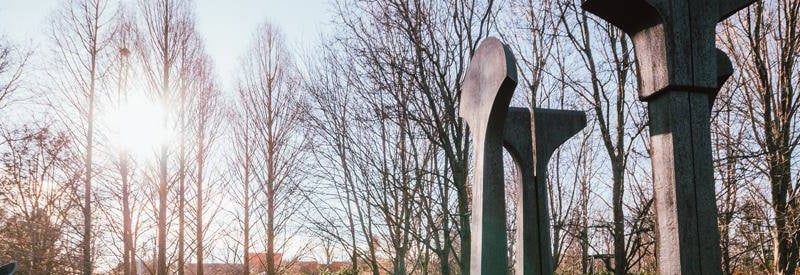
531 142
681 72
486 93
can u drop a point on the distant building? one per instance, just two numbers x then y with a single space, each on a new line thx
215 269
306 267
258 261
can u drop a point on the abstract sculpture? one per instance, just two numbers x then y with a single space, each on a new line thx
681 73
486 93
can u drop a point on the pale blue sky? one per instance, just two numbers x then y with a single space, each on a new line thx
226 25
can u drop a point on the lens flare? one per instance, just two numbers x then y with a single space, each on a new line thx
139 124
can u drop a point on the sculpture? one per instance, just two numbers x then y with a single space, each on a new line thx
681 72
8 269
486 93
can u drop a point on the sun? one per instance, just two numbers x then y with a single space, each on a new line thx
138 126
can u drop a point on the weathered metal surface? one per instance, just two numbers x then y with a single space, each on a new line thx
8 269
681 73
674 39
486 93
551 128
724 71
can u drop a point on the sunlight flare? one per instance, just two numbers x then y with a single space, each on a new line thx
139 126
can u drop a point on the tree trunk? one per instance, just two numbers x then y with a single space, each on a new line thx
182 190
620 258
246 206
161 268
127 251
460 176
201 155
86 244
785 248
271 177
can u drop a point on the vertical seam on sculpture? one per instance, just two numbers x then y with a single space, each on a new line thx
695 181
540 212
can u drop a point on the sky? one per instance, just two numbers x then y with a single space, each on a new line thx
226 25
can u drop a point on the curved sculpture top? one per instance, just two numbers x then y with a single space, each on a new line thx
489 81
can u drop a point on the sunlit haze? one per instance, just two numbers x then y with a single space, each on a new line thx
226 26
138 126
399 137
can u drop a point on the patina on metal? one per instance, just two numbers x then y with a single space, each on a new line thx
531 143
681 72
486 93
8 269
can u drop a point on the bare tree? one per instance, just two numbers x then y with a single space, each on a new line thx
80 33
607 94
332 111
275 109
763 45
35 189
535 42
439 37
124 40
191 77
12 64
731 169
243 170
206 116
163 32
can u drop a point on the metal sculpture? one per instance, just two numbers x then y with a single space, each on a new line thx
680 72
531 144
8 269
486 93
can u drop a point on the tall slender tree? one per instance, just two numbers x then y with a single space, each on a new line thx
275 107
607 92
763 44
188 82
81 32
165 25
206 116
124 39
439 37
243 170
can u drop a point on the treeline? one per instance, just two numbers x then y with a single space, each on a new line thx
353 151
